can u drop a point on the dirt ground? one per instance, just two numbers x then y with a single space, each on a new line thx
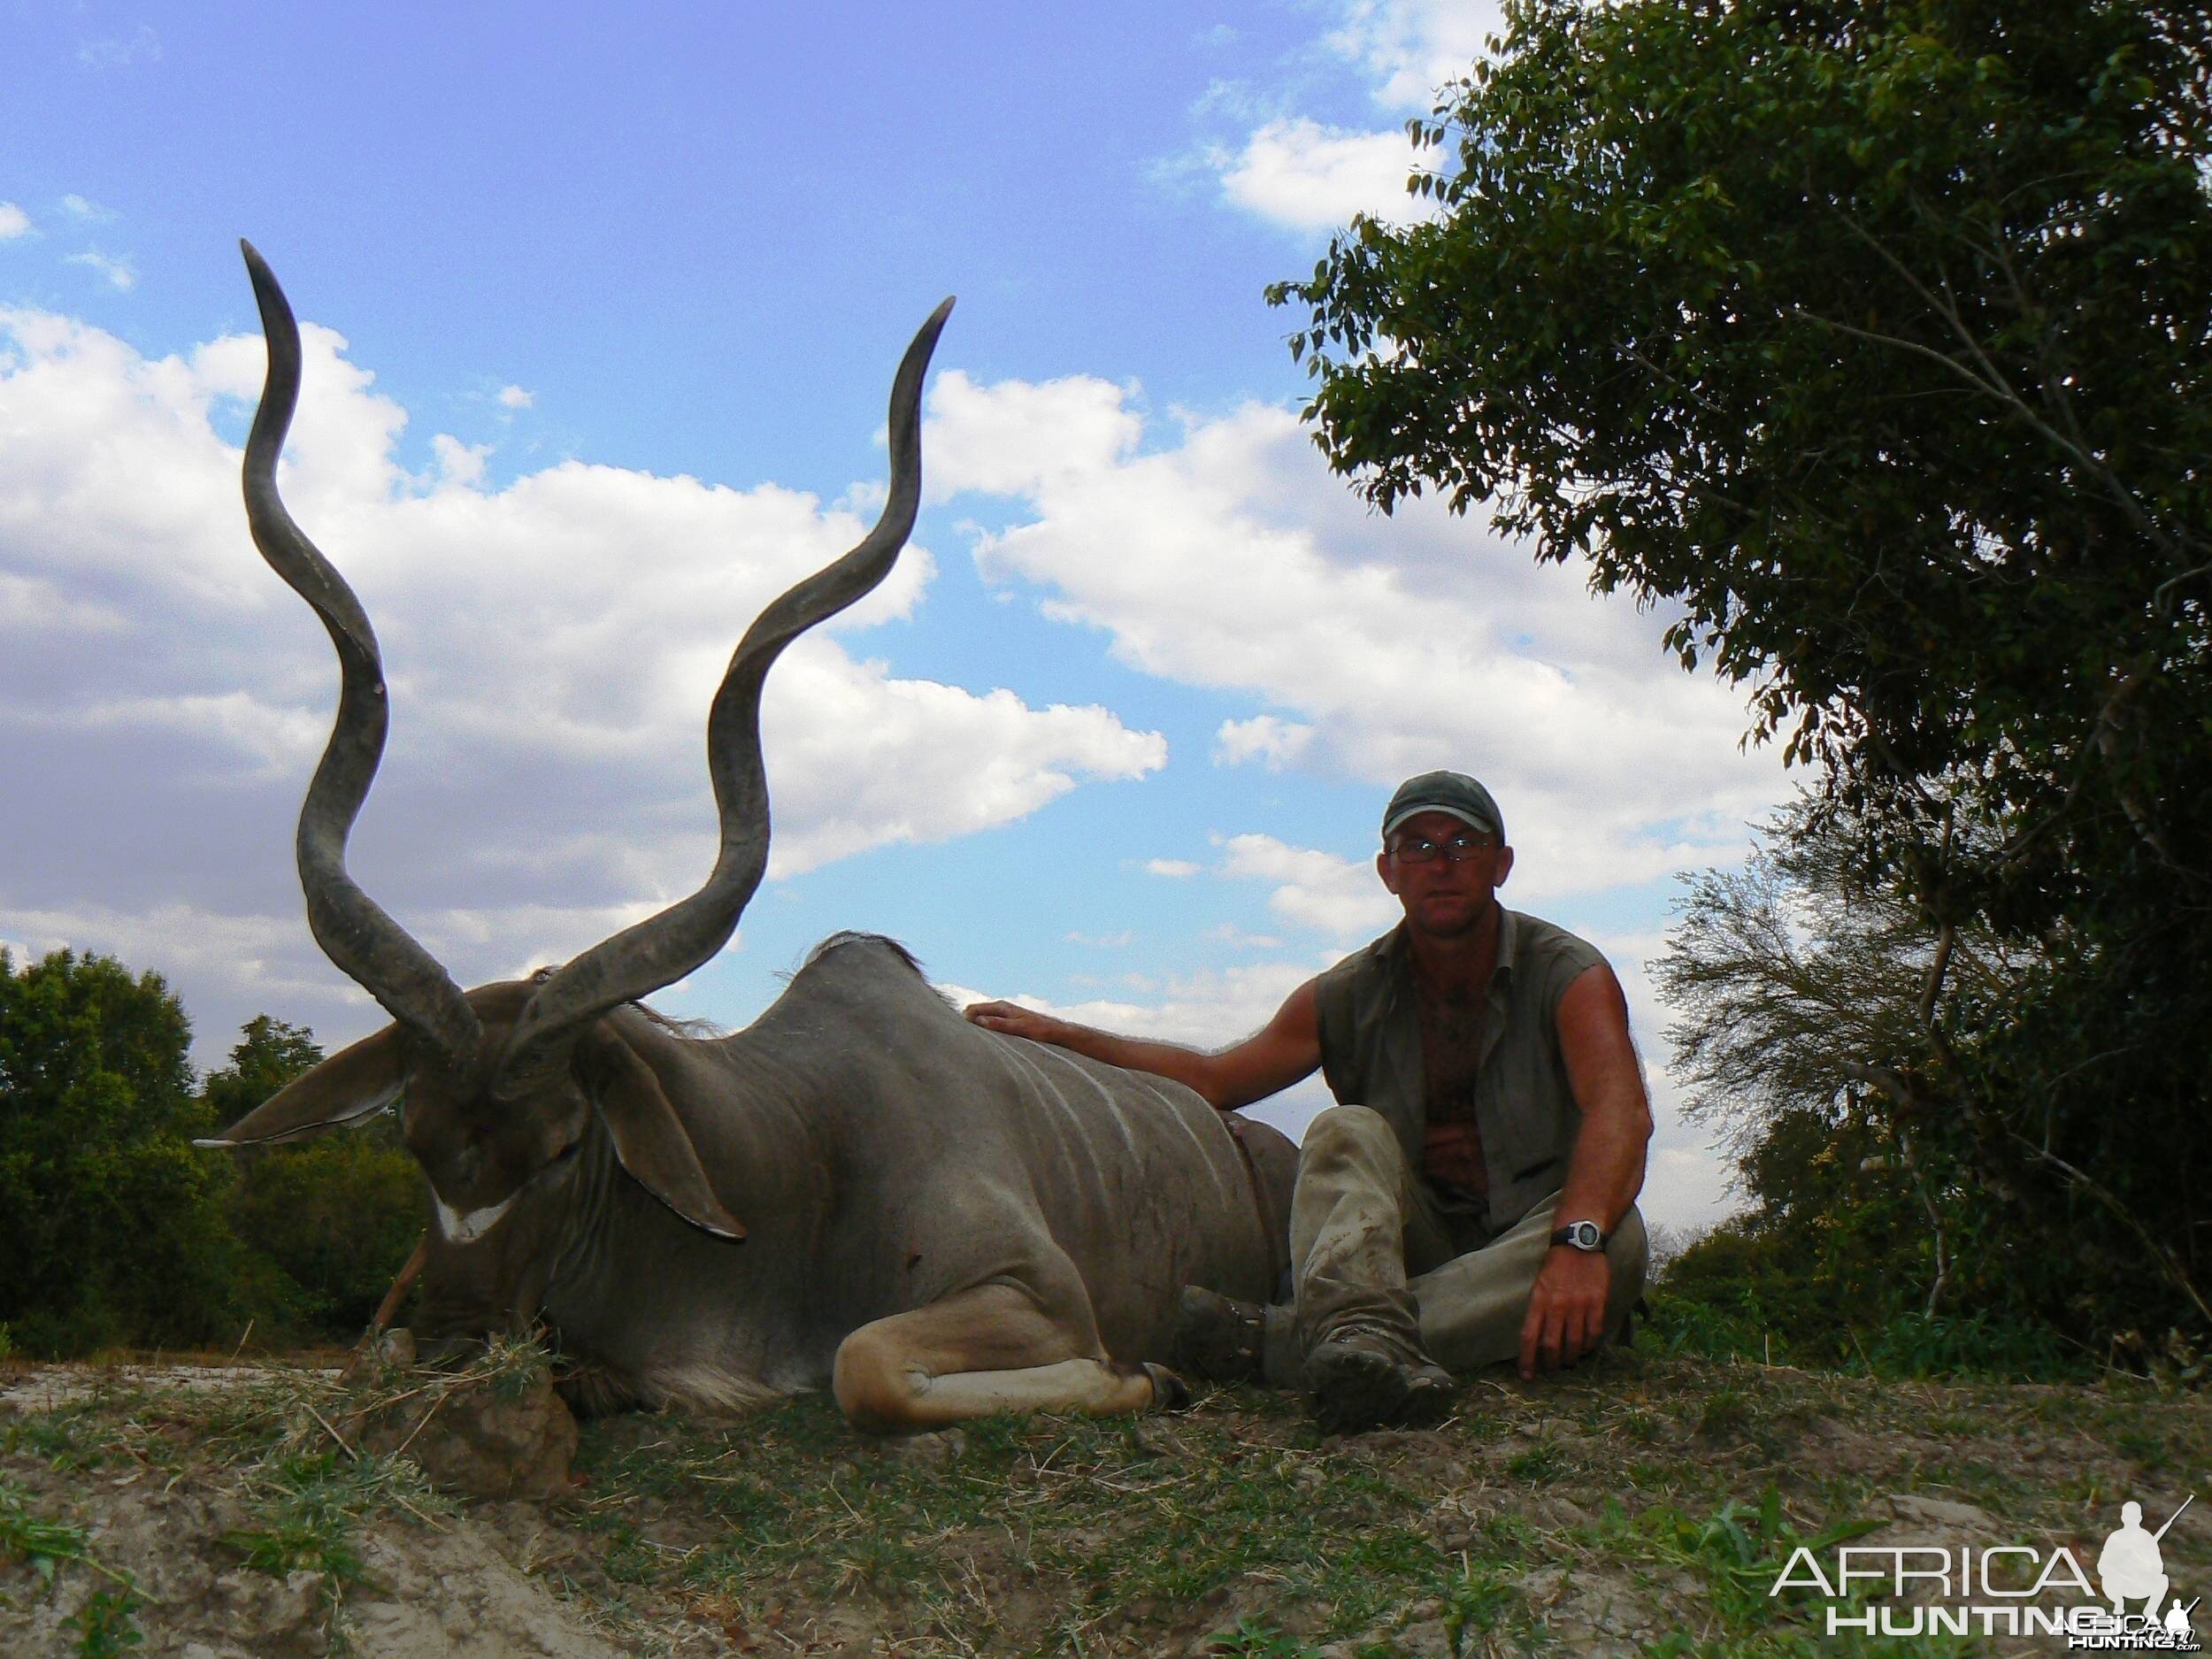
1649 1506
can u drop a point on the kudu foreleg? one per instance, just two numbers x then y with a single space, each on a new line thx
974 1353
388 1309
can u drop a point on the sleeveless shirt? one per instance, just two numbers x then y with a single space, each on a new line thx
1525 1110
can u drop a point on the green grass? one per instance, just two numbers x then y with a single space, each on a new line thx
1255 1639
310 1506
1540 1464
1477 1603
74 1438
45 1544
105 1625
104 1621
1123 1518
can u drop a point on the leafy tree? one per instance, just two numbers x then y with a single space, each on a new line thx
111 1226
326 1223
268 1055
1794 986
1874 337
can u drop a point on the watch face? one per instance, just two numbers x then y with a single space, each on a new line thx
1583 1235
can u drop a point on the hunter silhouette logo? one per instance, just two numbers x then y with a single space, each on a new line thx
2006 1590
2129 1566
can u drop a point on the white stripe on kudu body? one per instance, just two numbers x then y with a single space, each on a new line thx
1205 1153
1018 1056
1113 1106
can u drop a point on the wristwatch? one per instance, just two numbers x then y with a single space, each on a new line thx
1580 1235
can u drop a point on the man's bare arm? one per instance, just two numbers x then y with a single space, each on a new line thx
1606 1171
1287 1048
1566 1310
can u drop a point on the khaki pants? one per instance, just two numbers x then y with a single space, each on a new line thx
1371 1247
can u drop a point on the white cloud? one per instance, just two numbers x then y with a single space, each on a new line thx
1274 743
79 207
866 759
1206 1010
1341 897
1173 868
143 47
1101 941
458 465
1018 436
515 398
13 221
261 961
277 742
550 686
1235 560
1290 170
119 273
1408 48
1298 173
28 606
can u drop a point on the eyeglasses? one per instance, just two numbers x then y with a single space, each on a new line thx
1419 849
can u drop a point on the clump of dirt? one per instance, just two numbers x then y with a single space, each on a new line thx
492 1429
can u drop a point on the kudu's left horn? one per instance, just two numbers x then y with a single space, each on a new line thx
365 943
663 948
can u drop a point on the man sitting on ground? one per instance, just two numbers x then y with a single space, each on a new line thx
1472 1198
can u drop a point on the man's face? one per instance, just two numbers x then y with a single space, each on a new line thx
1443 899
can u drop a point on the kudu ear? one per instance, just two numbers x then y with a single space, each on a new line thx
353 1083
649 1137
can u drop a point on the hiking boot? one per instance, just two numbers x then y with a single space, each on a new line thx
1216 1337
1354 1386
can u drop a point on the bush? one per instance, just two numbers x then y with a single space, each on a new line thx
324 1224
1743 1294
329 1224
117 1232
111 1224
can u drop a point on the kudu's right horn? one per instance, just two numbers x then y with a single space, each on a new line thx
666 946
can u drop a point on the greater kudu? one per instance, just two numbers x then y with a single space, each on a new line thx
861 1190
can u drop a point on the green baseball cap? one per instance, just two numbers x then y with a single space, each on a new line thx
1452 791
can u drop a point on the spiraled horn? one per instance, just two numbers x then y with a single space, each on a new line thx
665 947
365 943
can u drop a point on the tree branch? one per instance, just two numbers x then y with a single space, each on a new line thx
1996 386
1932 988
2171 1268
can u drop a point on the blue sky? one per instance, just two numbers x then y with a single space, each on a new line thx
601 311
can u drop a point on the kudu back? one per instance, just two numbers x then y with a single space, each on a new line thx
861 1191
